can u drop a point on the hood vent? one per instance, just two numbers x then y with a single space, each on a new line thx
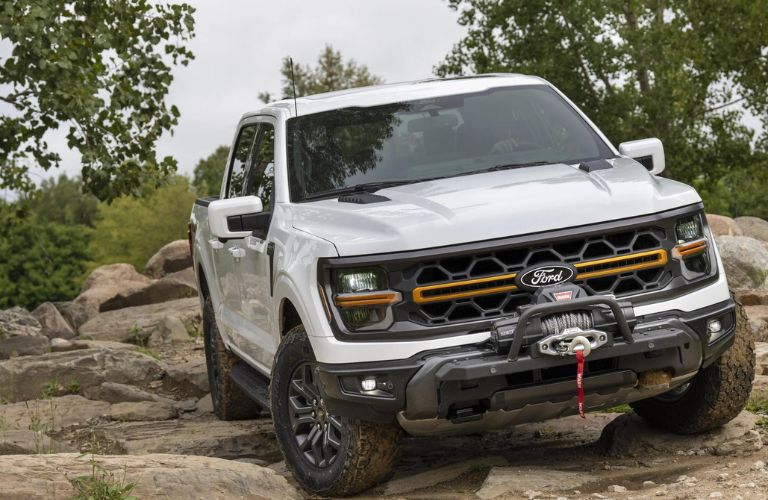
362 198
591 166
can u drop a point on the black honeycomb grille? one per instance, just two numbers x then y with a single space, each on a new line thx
638 245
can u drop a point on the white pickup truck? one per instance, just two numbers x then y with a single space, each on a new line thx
454 255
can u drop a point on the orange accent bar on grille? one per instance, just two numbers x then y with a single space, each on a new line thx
693 248
589 269
367 299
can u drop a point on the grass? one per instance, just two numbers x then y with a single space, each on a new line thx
138 336
53 388
41 424
148 352
623 408
101 484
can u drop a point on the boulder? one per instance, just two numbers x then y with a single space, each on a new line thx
170 330
758 297
172 258
106 282
63 345
630 435
178 285
723 226
18 322
24 378
188 379
53 324
142 411
23 346
122 324
112 392
745 261
47 415
758 321
754 227
761 358
74 314
151 476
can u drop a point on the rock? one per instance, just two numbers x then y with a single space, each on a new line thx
52 414
63 345
23 346
22 442
438 475
52 322
754 227
170 330
120 325
24 378
190 378
723 226
616 488
758 321
505 482
761 358
74 314
18 322
191 436
758 297
142 411
629 435
745 261
204 404
113 392
647 485
152 476
106 282
178 285
172 258
103 344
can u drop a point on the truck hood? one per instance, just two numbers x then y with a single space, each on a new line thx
490 205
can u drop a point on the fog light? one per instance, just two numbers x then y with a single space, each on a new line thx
368 383
715 329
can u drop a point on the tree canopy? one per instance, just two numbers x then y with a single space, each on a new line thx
681 71
210 171
102 71
331 73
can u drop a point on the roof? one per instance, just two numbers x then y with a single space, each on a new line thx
398 92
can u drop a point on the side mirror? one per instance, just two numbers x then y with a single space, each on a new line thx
648 152
225 217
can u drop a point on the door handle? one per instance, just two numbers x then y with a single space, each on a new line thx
237 252
216 244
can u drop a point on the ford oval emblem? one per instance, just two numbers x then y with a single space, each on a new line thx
543 275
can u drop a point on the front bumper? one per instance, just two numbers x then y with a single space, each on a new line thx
469 383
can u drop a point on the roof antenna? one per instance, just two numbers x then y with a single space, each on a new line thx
293 82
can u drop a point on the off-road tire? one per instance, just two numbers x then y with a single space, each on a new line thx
229 402
715 395
368 452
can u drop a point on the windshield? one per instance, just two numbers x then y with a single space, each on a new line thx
435 138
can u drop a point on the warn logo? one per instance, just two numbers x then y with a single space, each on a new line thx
565 295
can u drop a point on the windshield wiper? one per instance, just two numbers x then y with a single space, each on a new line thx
367 187
510 166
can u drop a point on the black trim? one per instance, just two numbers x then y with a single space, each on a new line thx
271 254
204 202
395 262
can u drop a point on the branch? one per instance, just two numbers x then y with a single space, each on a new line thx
721 106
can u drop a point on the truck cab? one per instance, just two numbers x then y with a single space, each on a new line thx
454 255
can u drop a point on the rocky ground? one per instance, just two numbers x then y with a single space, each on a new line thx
111 389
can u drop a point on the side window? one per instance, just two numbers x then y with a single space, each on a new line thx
240 160
261 175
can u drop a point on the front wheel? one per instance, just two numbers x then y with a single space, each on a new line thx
327 454
714 396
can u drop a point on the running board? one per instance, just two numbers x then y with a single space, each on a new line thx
253 384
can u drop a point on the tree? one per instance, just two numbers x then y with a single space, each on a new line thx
40 260
132 229
680 71
100 69
210 171
331 73
62 201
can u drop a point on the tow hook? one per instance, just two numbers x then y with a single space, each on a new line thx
571 340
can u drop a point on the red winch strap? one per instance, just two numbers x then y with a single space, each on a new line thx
580 381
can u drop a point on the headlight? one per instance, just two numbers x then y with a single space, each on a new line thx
363 300
689 229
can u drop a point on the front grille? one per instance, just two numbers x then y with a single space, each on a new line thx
477 286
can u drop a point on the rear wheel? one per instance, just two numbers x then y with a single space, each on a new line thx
229 402
714 396
328 454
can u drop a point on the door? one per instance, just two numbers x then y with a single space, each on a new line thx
225 253
254 268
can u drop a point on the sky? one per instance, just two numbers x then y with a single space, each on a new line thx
239 47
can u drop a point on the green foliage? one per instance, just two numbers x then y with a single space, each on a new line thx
51 389
644 68
132 229
210 171
331 73
100 69
101 484
62 201
39 260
